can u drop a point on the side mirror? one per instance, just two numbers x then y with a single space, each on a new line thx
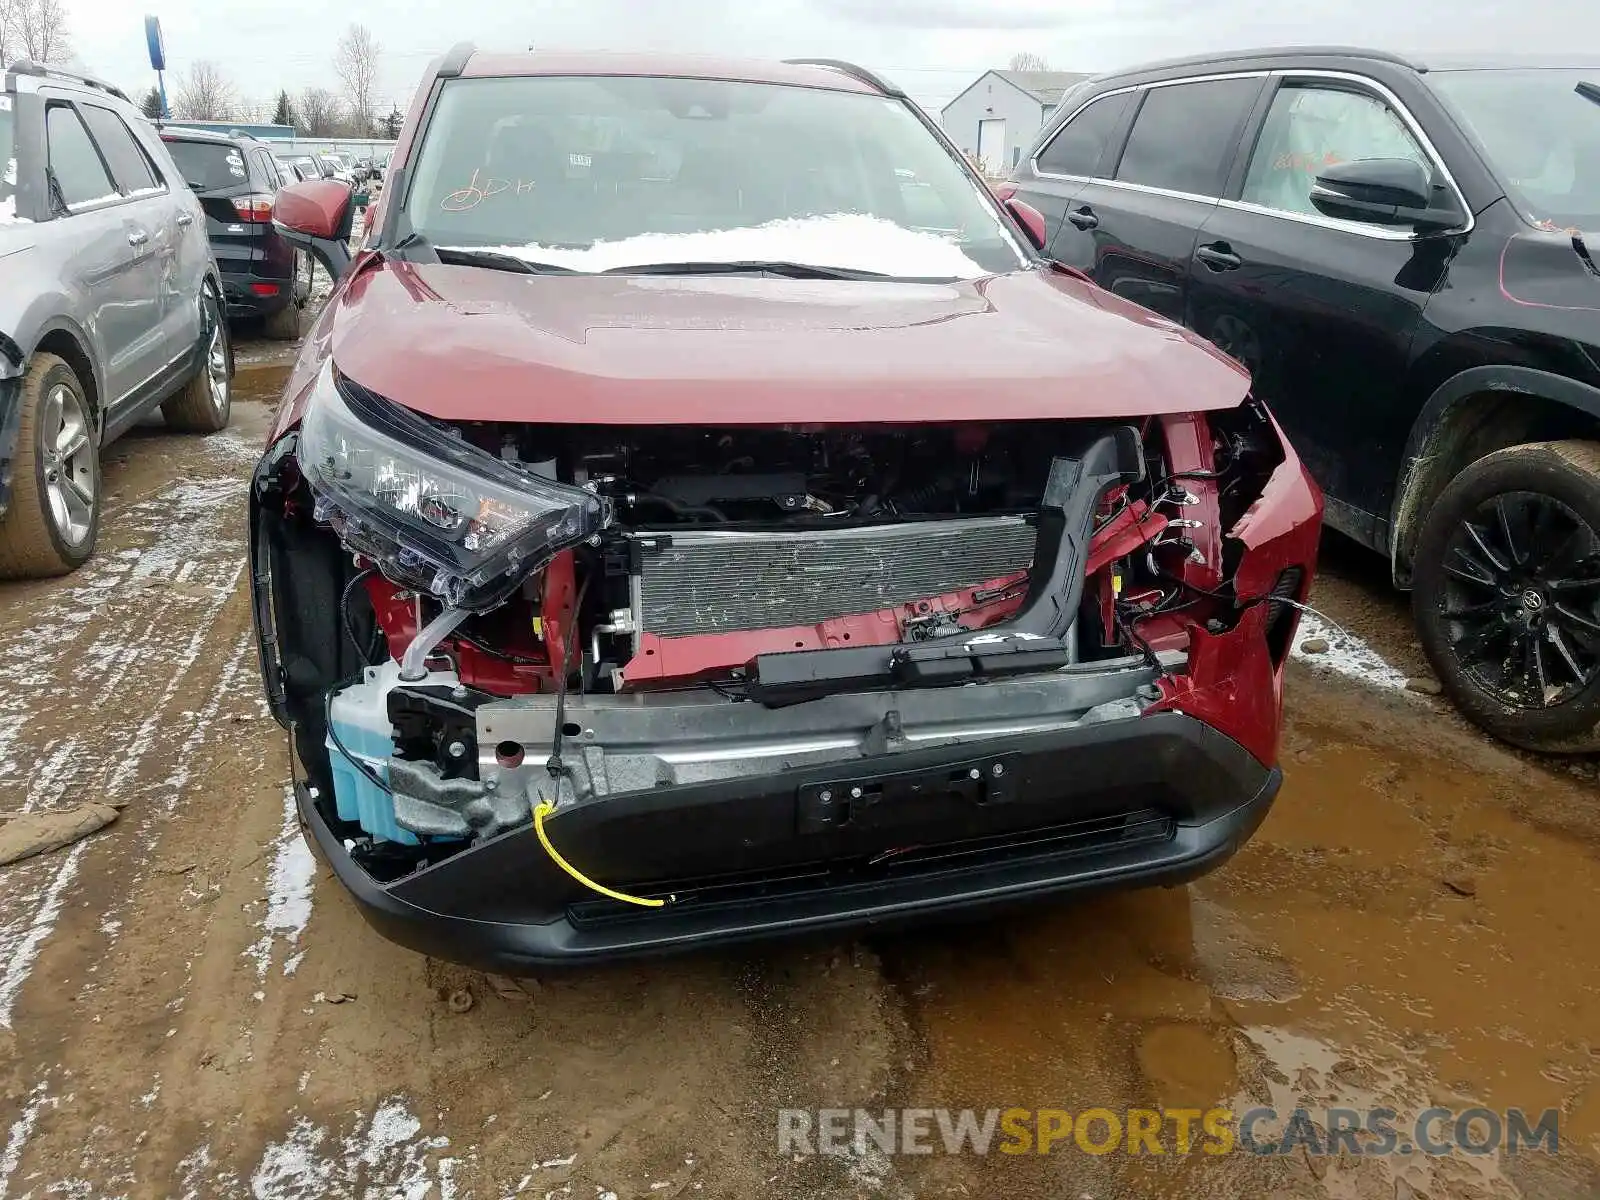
1032 222
1383 191
1028 218
316 216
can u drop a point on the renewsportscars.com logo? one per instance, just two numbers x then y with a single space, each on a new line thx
1176 1131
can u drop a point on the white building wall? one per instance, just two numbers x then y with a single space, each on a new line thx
992 97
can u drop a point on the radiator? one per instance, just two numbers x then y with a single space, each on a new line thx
717 582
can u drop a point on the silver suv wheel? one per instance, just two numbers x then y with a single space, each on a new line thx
69 474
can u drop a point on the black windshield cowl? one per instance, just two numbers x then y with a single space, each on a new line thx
413 247
496 260
788 270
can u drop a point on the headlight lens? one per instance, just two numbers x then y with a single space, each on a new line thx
433 511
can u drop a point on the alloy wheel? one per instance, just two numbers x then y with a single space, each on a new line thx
217 383
69 475
1522 600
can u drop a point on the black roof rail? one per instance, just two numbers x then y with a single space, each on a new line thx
870 78
455 60
44 71
1233 56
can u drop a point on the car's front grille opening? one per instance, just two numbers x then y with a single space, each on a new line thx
1090 836
1283 618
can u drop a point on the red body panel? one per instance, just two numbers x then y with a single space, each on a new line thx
464 343
1189 458
1232 683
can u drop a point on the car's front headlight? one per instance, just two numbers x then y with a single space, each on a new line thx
433 511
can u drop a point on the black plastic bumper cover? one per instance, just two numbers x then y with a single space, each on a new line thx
242 301
1149 800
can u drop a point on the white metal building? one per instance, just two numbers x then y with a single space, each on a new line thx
1001 112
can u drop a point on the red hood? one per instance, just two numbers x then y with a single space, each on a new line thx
467 343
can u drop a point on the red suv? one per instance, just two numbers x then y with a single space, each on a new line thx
700 514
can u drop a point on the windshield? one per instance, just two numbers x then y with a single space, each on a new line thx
209 166
1541 133
604 173
8 164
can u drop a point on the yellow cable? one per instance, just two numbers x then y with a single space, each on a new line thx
539 814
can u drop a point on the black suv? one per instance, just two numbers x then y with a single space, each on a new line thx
237 179
1395 250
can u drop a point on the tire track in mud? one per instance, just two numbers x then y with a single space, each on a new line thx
93 666
60 698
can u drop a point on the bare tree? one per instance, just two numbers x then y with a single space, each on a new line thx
355 60
33 29
204 94
318 112
1027 60
253 111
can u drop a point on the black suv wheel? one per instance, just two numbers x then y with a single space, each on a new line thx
1507 594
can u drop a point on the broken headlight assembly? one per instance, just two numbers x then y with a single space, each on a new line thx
431 510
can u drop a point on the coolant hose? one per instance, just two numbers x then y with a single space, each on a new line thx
543 810
414 665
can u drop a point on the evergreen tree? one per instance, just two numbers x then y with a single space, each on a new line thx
151 104
392 123
284 113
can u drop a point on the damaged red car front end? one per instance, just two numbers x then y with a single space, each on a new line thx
618 608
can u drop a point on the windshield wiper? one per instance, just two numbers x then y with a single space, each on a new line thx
1589 91
496 260
788 270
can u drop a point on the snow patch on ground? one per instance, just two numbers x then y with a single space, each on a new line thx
232 447
19 951
9 728
21 1131
288 893
235 682
385 1155
1346 655
848 241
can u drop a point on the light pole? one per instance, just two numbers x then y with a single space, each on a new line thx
158 60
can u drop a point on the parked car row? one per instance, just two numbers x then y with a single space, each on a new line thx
558 543
125 248
237 180
337 165
1404 256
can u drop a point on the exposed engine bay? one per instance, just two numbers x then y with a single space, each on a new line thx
750 565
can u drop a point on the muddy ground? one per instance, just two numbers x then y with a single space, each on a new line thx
190 1007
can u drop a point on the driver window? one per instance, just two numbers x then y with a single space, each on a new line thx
1310 128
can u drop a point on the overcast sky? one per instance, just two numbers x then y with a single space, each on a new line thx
933 48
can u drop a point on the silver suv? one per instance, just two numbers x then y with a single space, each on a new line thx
109 306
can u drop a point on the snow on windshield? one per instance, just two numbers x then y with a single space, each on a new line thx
848 241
